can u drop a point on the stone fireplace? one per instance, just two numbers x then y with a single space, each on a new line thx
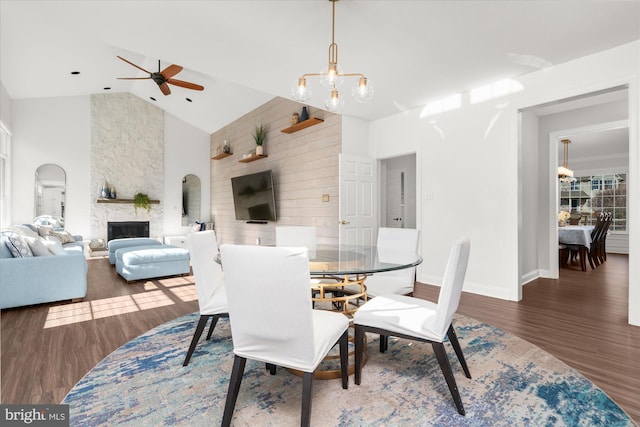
127 152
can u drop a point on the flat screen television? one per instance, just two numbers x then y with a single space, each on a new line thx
254 199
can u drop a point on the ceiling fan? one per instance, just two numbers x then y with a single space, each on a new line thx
163 77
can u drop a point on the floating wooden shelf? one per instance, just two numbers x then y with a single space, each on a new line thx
221 156
101 200
252 158
302 125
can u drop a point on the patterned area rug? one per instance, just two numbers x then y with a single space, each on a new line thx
514 383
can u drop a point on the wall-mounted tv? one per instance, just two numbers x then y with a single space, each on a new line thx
254 199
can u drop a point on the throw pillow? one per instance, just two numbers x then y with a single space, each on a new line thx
23 230
44 230
54 246
63 236
37 246
18 247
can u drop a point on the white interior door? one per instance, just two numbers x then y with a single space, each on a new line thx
358 221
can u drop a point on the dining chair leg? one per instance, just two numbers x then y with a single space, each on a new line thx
214 322
234 387
307 391
359 350
443 360
196 337
583 261
453 339
344 359
384 343
271 368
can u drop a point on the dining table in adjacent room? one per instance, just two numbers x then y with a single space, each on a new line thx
577 235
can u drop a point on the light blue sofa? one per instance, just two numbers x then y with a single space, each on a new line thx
42 279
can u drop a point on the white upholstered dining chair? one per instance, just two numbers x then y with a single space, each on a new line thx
272 320
297 236
212 295
391 244
418 319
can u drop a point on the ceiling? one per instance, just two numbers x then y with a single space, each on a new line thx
246 52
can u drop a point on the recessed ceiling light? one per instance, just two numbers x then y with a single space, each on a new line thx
75 72
189 99
152 98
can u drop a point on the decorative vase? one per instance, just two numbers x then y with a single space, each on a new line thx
226 148
104 193
304 115
259 150
295 119
112 193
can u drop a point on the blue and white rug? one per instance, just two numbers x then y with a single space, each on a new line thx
514 383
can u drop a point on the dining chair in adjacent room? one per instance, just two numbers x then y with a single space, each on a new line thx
272 320
212 294
393 245
418 319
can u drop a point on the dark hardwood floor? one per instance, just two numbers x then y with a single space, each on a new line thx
580 318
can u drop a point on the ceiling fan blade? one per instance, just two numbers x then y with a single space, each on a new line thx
134 78
171 71
184 84
131 63
165 88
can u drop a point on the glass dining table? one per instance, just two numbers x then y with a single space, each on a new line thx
339 272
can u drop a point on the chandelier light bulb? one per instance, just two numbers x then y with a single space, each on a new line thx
334 103
363 91
300 90
332 77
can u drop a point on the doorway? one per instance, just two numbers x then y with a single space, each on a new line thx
398 192
542 126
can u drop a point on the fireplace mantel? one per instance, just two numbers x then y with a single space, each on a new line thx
101 200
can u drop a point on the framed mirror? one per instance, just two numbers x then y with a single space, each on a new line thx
50 201
190 200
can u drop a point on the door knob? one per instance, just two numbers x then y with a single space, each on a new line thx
344 222
397 219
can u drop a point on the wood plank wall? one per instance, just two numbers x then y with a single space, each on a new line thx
304 166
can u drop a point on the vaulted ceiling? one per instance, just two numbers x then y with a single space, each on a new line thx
246 52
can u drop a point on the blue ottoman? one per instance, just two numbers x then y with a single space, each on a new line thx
146 262
116 244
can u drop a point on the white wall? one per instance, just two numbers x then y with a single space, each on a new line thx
468 164
51 130
58 130
186 152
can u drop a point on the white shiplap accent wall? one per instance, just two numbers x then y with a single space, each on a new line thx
304 165
127 150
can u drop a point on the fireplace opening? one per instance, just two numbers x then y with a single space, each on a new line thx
127 229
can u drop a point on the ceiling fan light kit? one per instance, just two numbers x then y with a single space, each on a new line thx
163 78
332 78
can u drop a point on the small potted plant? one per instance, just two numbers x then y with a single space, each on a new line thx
141 201
259 136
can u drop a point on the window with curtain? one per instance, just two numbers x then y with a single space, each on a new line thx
593 194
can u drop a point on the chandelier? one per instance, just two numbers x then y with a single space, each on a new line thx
332 78
564 173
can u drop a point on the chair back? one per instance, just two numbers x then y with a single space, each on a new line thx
451 286
297 236
270 307
203 250
395 245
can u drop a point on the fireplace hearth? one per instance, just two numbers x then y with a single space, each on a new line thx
127 229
